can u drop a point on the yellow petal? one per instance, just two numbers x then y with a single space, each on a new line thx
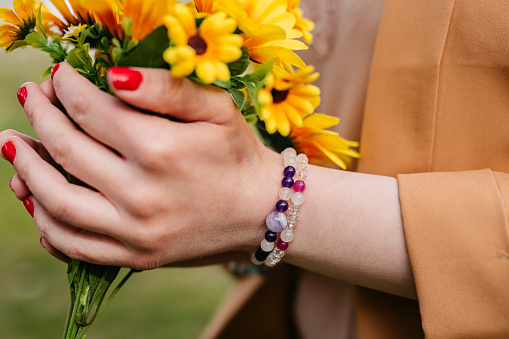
292 114
6 35
321 120
221 71
228 53
217 24
9 16
182 69
186 18
293 45
24 8
288 56
302 105
205 70
176 31
333 157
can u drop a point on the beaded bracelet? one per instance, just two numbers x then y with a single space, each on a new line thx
277 221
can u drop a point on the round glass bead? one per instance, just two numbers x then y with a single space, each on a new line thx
289 171
276 221
289 152
261 255
281 206
302 159
291 162
298 198
285 193
270 236
299 186
287 182
287 235
283 246
267 246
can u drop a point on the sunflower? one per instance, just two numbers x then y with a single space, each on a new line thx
269 28
288 99
320 145
206 49
302 24
20 22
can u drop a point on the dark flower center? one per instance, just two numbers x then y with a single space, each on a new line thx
278 96
198 44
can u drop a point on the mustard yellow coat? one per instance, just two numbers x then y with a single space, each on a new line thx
437 118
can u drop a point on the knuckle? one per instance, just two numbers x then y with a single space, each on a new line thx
156 155
60 209
79 105
59 150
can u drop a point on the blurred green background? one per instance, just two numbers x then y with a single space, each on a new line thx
34 296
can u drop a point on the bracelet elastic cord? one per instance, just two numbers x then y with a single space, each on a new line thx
290 201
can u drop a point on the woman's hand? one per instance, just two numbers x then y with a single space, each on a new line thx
164 191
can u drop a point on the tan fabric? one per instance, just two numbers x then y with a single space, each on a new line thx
437 116
438 101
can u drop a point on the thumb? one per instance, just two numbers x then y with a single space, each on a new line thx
157 91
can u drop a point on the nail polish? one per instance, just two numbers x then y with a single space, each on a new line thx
54 70
9 151
10 184
29 205
124 78
22 95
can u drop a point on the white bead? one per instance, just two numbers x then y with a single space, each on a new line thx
255 261
285 193
298 198
289 152
287 235
267 246
302 159
291 162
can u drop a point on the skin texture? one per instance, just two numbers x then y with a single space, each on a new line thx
195 191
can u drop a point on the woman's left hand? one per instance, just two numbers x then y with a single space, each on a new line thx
163 191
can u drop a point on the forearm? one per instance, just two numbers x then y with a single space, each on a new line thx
350 228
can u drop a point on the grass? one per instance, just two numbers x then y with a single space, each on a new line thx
34 297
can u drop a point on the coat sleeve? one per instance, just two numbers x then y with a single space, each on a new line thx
457 236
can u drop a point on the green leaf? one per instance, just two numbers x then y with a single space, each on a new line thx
16 45
253 89
223 84
39 22
36 40
77 58
117 53
240 66
261 72
116 43
238 97
46 72
149 52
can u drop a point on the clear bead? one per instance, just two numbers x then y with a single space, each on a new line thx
302 159
292 227
267 246
293 218
287 235
289 152
303 175
291 161
298 198
285 193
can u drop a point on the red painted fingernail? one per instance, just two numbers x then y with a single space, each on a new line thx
42 244
124 78
29 205
10 184
9 151
54 70
22 95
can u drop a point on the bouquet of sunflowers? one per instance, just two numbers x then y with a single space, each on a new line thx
246 47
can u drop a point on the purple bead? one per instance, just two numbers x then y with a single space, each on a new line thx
282 206
270 236
261 255
299 186
276 221
287 182
289 171
283 246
